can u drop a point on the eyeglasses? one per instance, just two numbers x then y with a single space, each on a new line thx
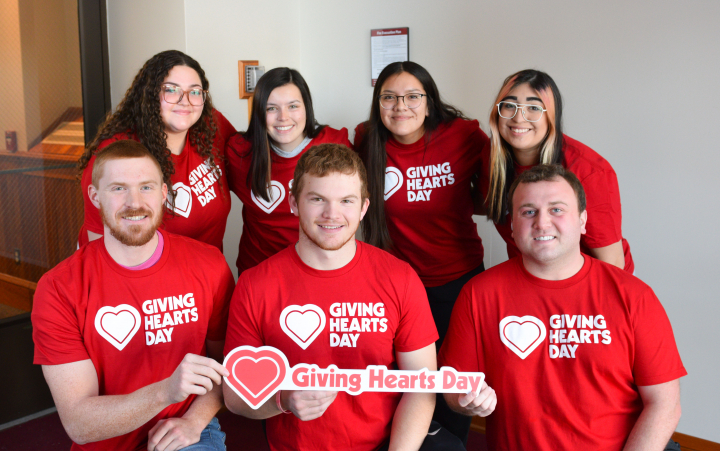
388 101
173 94
531 113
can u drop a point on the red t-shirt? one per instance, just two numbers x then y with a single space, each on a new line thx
202 205
348 340
135 325
428 202
268 227
602 193
565 357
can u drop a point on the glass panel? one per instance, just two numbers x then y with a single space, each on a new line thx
42 122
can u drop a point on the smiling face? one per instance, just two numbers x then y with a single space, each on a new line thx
330 209
179 117
547 224
130 194
524 137
285 117
406 125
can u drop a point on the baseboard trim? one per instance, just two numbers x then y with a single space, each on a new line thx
687 442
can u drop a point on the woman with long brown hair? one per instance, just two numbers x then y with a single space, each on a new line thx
422 155
526 129
169 110
261 162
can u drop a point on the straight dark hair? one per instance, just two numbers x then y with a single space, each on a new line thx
260 174
375 136
502 161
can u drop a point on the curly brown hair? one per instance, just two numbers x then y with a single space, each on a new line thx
138 116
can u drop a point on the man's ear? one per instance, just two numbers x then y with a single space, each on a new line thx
164 193
94 196
366 204
293 205
583 222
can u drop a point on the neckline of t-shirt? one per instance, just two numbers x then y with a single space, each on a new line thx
421 143
557 284
154 258
137 272
300 148
332 272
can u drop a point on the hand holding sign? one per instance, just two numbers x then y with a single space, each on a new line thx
257 373
480 403
308 405
194 376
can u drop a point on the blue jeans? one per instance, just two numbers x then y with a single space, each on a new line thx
211 438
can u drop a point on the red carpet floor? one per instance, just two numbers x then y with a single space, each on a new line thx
47 433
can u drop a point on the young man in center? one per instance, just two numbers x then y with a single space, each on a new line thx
353 305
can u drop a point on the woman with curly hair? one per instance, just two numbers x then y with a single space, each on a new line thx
261 162
169 110
526 130
421 156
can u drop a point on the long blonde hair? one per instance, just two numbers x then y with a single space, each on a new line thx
502 162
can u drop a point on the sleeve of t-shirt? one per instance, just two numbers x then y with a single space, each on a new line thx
243 326
92 221
657 359
225 130
56 332
416 328
344 139
461 348
237 151
217 326
603 207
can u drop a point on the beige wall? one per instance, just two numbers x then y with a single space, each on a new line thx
632 75
12 105
41 62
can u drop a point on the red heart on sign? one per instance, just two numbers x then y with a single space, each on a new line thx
255 373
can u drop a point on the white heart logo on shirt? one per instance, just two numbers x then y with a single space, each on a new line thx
117 325
393 181
522 335
183 199
277 194
302 324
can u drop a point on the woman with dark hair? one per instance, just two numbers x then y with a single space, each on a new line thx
526 129
169 110
422 155
261 162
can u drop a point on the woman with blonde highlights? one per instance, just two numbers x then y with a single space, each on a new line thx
526 130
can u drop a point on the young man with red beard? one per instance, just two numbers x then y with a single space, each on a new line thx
580 352
123 326
328 279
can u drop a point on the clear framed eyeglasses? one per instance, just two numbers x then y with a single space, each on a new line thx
531 113
174 94
412 101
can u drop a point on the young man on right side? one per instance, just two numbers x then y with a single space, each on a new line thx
581 354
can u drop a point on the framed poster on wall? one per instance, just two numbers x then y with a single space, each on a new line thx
388 45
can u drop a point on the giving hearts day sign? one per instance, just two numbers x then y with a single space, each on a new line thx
257 373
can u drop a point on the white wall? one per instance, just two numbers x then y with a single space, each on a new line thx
137 30
633 75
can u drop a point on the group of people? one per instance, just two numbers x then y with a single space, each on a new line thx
130 330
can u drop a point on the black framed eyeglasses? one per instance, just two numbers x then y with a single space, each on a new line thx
388 101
